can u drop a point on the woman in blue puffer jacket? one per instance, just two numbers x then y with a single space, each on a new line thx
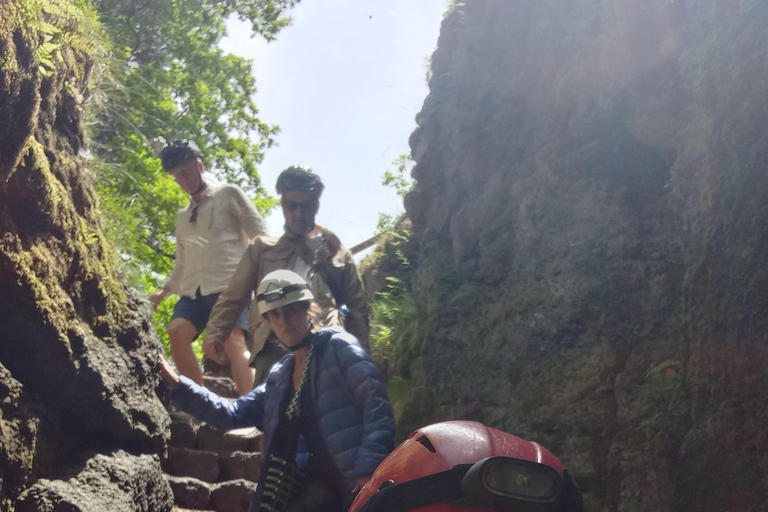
324 410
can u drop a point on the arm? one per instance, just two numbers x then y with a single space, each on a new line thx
233 300
172 281
357 302
247 411
250 220
370 396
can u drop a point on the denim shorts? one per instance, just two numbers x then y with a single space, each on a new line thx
198 310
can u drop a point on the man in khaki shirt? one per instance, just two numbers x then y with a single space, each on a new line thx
313 252
212 232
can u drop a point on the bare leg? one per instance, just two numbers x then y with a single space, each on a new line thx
239 355
181 332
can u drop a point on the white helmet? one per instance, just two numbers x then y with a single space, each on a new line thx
280 288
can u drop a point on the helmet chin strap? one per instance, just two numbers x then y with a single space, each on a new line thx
201 186
304 343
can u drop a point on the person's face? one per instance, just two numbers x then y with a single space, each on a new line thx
189 175
299 209
290 323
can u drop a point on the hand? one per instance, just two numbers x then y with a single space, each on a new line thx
170 377
359 483
213 351
157 297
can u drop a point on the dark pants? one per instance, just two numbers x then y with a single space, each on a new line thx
317 498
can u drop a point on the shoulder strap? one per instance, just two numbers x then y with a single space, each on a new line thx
331 282
419 492
324 269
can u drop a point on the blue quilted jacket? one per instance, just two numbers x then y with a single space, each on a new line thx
351 405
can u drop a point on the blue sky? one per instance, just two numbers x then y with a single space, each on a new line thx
344 81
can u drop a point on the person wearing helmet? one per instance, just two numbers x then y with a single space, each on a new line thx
212 232
313 252
462 466
324 411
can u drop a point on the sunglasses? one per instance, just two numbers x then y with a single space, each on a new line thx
306 206
193 217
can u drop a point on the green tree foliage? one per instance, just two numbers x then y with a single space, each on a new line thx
399 179
171 80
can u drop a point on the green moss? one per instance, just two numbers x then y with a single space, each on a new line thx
8 62
46 264
413 401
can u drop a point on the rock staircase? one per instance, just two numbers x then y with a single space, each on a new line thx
210 469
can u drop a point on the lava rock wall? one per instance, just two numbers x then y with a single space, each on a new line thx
80 423
592 224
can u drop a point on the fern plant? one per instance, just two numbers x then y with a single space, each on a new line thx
399 325
56 23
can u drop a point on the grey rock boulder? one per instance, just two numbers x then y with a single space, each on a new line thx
236 465
119 482
233 496
190 492
200 464
183 430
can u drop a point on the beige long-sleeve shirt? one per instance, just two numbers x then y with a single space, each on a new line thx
267 254
209 250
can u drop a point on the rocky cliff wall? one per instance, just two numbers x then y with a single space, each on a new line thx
592 226
80 424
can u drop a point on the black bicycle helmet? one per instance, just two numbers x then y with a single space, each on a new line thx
179 151
300 179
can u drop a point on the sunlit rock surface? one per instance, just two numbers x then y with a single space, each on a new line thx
80 424
592 221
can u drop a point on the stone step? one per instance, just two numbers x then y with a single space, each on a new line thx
188 432
228 496
216 439
190 492
240 465
211 367
222 386
210 469
184 429
232 496
200 464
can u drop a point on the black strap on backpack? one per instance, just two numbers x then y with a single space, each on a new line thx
420 492
445 486
325 269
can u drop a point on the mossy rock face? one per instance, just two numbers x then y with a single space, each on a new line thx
591 179
18 430
77 343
